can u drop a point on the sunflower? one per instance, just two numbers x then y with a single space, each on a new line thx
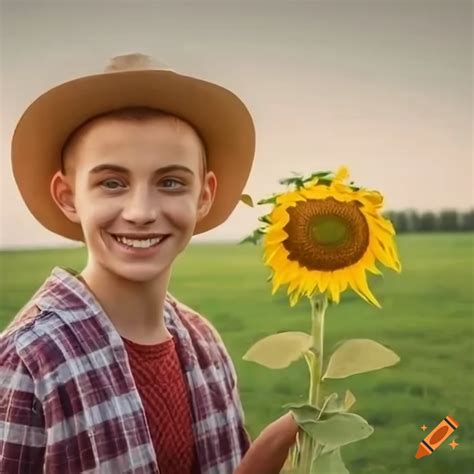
324 235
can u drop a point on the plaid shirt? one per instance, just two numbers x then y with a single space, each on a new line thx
68 401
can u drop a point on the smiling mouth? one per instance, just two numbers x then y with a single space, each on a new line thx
139 243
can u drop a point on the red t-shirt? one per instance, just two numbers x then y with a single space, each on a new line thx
160 381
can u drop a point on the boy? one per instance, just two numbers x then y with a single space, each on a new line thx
104 371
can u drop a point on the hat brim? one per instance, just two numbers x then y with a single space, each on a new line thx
219 116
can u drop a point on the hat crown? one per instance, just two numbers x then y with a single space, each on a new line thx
135 62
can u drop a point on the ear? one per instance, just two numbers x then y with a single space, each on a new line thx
63 194
208 193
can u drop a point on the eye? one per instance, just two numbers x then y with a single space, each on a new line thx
114 183
172 180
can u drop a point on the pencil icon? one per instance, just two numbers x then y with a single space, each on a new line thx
437 437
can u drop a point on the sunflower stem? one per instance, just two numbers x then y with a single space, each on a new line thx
319 304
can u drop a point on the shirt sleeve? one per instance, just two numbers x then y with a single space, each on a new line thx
232 376
22 432
245 437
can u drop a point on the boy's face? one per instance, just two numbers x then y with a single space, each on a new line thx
153 196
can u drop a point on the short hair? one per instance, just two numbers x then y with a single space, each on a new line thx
138 114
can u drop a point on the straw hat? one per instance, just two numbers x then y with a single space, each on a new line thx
133 80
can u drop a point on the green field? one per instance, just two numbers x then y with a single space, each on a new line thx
427 318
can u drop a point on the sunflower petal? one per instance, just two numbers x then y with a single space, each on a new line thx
342 174
293 269
393 253
372 197
382 255
275 237
280 278
341 192
294 298
310 183
279 221
278 212
334 290
280 259
380 222
368 262
324 281
316 192
342 279
312 283
290 198
304 273
360 286
269 256
275 283
269 249
293 285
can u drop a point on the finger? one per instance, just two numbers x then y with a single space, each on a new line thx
268 452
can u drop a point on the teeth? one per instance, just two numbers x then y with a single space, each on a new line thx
142 244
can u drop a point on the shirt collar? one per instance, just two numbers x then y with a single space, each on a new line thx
65 295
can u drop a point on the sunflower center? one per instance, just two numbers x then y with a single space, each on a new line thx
328 230
326 234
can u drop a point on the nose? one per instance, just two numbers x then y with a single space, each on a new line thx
140 208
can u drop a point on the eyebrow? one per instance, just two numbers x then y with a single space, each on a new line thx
109 167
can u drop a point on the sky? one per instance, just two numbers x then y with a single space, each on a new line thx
383 87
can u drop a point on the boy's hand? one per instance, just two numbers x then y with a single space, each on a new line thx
268 452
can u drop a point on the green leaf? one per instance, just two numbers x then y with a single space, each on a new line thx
287 180
270 200
319 174
255 237
349 400
357 356
297 181
327 182
329 463
327 400
246 199
279 350
336 405
303 412
265 219
338 430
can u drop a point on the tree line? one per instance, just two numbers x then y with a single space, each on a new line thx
446 220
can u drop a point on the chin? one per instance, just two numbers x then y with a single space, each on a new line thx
139 272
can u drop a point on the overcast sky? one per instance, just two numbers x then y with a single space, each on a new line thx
382 86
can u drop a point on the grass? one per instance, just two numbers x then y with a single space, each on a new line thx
427 318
